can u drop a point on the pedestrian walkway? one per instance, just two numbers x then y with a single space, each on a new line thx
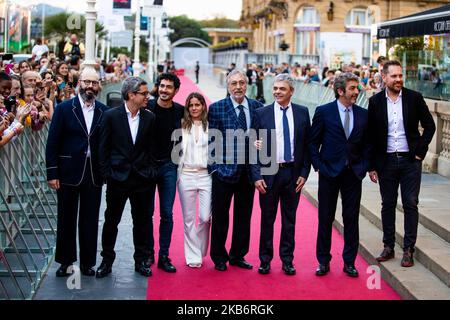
202 283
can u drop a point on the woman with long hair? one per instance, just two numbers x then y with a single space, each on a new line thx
194 181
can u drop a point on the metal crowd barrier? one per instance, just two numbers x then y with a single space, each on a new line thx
310 95
27 215
28 212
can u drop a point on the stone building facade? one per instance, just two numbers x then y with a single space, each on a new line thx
315 27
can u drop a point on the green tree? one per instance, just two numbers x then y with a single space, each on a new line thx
61 25
184 27
220 22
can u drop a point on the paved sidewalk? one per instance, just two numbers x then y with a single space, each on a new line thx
123 284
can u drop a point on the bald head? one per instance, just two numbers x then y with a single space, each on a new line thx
89 84
89 73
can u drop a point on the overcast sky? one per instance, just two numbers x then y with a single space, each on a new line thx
197 9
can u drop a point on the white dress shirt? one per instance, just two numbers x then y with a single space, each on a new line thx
279 130
196 153
88 113
342 110
133 123
396 141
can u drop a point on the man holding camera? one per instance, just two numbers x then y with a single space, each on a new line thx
72 158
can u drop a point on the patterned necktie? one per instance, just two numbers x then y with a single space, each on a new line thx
347 123
241 118
286 137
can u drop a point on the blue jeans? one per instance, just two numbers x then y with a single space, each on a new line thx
166 181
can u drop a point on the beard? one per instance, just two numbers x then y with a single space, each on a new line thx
88 96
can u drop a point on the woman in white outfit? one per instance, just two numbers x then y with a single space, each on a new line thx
194 181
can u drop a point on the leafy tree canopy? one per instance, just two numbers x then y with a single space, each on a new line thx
184 27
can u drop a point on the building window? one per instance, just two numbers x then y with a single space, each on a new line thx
359 20
359 17
307 28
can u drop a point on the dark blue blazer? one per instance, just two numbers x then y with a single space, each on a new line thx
222 117
330 148
68 141
265 119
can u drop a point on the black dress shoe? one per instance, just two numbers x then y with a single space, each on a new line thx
221 266
322 269
103 270
264 268
143 268
165 264
288 268
350 270
387 254
241 263
87 271
62 271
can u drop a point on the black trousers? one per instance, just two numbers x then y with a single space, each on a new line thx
242 193
138 190
283 192
350 187
406 173
80 203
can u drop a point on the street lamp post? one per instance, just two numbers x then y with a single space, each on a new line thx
91 18
137 39
43 23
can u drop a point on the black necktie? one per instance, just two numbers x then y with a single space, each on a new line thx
241 118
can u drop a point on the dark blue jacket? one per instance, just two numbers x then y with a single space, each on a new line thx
222 117
265 119
329 147
68 141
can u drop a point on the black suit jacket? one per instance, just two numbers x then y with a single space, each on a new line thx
415 111
265 119
330 148
68 142
118 156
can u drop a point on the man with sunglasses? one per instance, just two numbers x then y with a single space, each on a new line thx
168 118
72 157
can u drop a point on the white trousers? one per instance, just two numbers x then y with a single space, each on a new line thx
193 185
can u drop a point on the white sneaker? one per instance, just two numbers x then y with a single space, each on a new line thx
195 265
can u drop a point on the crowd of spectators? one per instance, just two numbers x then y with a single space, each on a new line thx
31 89
370 79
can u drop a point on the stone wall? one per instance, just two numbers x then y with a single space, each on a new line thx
438 156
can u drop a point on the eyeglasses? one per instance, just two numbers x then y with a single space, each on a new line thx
89 82
145 94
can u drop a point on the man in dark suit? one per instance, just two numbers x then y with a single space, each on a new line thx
339 152
72 157
231 176
126 163
288 127
168 115
398 151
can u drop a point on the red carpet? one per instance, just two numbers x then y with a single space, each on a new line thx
238 284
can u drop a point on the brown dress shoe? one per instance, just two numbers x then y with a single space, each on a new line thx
386 255
407 260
